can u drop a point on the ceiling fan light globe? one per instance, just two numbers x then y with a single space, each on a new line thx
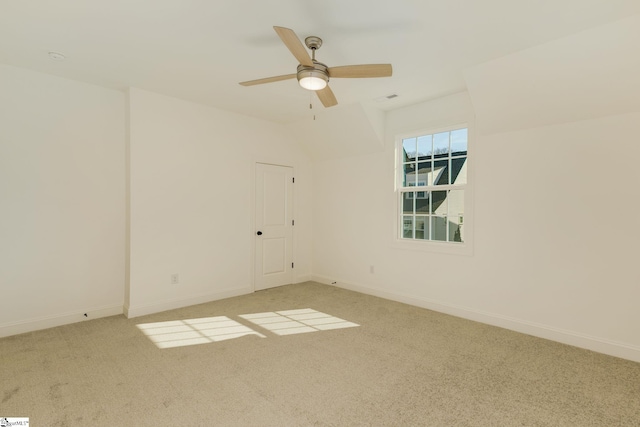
313 78
313 83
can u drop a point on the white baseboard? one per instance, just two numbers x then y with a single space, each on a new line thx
158 306
597 344
46 322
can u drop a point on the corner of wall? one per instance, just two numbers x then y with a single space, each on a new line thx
127 278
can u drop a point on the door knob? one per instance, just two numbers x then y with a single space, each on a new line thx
259 233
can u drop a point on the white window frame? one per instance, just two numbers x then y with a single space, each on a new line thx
460 248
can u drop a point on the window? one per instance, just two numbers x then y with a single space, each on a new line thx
432 180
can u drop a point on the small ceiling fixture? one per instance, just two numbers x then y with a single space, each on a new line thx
56 56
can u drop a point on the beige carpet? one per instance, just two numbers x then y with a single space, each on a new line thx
403 366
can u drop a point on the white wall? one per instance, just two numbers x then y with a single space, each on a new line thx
62 201
554 244
191 201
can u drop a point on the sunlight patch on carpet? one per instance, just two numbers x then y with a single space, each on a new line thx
179 333
300 321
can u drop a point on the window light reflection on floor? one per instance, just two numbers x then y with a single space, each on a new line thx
300 321
179 333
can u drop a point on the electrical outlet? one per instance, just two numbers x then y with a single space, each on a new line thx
371 269
175 279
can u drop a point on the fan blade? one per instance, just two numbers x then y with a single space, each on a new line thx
327 97
293 43
361 71
268 80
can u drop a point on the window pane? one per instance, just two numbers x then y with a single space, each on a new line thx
441 172
439 202
455 215
410 176
459 170
425 173
422 202
459 142
425 146
456 205
409 149
407 227
408 202
455 232
439 228
422 227
441 143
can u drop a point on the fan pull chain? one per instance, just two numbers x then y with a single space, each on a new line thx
311 103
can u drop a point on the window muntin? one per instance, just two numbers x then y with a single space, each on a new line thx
432 186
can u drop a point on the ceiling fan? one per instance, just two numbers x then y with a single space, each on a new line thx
314 75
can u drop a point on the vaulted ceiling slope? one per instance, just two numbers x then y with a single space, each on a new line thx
589 74
199 50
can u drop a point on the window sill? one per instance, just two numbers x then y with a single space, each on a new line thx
434 247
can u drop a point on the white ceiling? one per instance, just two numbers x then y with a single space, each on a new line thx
199 50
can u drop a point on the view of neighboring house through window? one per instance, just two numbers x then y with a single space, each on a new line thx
433 177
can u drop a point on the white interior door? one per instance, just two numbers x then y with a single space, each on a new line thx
274 226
